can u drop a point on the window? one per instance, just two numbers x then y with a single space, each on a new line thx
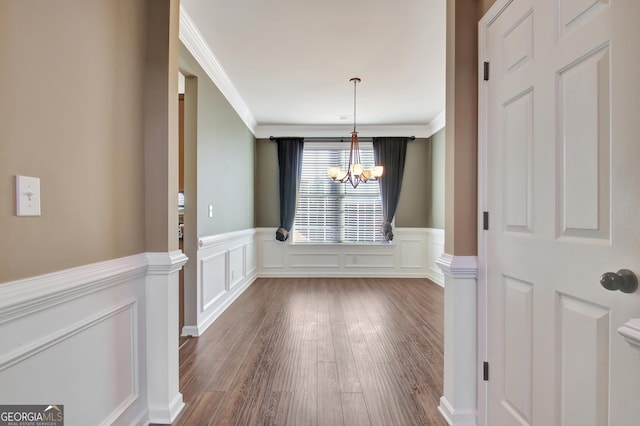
331 212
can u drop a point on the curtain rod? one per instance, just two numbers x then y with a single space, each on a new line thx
337 138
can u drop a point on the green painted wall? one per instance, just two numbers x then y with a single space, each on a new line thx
225 150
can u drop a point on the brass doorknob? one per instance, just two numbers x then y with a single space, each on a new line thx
623 280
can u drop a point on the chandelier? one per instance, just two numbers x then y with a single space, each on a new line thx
355 172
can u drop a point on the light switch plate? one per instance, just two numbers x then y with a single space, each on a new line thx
27 196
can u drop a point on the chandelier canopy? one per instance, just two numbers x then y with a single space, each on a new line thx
355 172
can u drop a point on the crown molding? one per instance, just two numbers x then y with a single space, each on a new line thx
194 42
437 123
344 130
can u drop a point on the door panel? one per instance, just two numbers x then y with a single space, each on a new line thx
562 189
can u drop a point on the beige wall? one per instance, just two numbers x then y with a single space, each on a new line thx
71 78
416 200
461 134
161 125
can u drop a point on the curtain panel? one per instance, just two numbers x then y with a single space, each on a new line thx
290 164
390 153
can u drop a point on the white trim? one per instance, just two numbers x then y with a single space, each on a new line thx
88 297
27 296
459 267
221 246
211 240
438 123
231 296
165 263
194 42
412 254
631 332
482 302
27 351
341 130
456 418
162 360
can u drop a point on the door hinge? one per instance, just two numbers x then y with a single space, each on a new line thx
485 371
486 71
485 221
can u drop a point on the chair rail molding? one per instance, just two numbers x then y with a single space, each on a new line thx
109 326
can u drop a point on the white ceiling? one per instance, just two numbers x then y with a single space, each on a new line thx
285 65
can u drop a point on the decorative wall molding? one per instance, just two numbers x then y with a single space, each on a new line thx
211 240
226 266
458 266
194 42
162 360
631 332
27 296
411 254
35 347
83 322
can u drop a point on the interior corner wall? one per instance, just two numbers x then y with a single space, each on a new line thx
72 115
436 207
225 158
415 194
267 192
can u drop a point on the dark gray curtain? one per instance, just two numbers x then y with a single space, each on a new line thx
390 153
290 163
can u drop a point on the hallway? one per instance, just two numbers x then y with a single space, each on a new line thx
319 351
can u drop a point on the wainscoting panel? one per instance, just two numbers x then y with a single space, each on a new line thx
213 284
236 266
226 267
76 337
412 254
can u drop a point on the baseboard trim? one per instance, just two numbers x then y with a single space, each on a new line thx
456 417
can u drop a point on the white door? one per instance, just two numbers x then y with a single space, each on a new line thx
563 193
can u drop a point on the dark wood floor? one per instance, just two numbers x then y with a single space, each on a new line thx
319 351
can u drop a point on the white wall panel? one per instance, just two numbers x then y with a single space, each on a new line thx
227 266
75 333
314 260
214 279
411 254
252 258
236 266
